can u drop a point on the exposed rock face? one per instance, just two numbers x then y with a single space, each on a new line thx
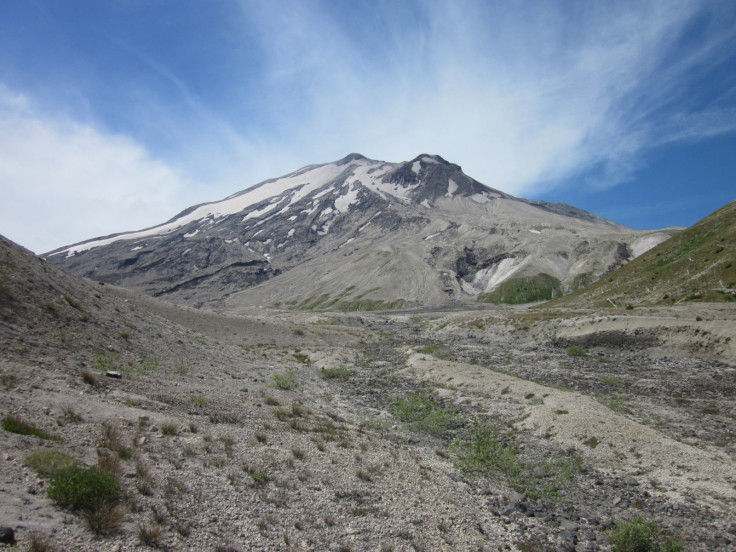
415 233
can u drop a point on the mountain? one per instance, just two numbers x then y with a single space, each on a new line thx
362 234
698 264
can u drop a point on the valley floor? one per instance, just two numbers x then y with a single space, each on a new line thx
492 429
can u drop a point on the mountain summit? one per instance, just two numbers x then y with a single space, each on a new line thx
360 233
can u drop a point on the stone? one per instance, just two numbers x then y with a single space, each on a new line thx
7 535
113 374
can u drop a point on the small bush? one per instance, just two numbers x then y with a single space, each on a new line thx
285 381
84 488
576 351
14 424
643 535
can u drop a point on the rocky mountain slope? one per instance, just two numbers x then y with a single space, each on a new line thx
293 430
698 264
359 234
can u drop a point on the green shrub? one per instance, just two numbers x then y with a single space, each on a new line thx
85 488
576 350
643 535
14 424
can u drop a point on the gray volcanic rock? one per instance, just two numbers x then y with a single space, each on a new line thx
359 233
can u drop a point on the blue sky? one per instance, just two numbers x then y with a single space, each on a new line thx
117 115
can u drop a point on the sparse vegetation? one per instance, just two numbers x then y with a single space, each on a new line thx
422 412
150 534
576 351
343 372
13 424
47 463
285 381
483 451
541 287
197 400
643 535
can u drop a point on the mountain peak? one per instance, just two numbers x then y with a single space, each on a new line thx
350 158
414 232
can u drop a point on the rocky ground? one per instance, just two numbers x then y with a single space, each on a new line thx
281 430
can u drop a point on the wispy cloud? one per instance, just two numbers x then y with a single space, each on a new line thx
523 96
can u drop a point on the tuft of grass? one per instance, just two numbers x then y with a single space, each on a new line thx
285 381
169 428
13 424
260 478
105 519
72 302
198 400
40 542
125 335
343 372
643 535
112 440
150 534
70 414
576 351
48 463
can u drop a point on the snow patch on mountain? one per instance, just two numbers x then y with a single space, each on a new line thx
451 188
306 180
343 203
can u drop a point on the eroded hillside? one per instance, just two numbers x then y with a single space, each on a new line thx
458 430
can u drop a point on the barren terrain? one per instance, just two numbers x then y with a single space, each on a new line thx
289 430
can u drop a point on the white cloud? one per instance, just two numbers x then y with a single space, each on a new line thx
63 182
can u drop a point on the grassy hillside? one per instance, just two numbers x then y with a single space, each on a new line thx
698 264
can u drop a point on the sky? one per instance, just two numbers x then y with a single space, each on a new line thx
117 115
